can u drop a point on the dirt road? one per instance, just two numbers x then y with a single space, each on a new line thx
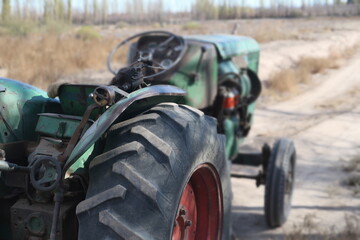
324 123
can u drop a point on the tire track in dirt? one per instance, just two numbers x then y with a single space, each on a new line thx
324 124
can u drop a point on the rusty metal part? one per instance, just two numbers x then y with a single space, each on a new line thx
58 199
106 95
75 138
48 146
103 96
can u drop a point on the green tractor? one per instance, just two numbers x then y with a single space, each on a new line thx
147 156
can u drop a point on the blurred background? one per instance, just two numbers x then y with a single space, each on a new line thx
45 40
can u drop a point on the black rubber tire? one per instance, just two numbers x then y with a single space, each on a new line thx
280 175
136 184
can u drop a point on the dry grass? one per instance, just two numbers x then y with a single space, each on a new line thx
339 102
288 80
318 65
353 165
267 32
42 59
192 25
40 55
310 229
87 33
353 179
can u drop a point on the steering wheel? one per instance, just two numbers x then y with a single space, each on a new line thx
161 57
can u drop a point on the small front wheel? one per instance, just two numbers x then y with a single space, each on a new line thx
279 182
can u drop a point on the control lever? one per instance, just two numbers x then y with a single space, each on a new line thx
203 50
10 167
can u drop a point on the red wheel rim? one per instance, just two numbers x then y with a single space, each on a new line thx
199 214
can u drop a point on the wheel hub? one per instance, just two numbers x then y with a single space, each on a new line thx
199 214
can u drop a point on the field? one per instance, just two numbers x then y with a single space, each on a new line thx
42 55
309 68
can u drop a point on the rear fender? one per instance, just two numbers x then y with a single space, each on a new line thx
137 102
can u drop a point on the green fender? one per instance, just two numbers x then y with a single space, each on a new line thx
19 105
136 102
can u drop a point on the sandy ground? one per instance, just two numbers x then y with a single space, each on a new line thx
324 124
278 55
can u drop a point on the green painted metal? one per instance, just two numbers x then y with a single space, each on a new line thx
200 91
245 85
201 83
227 66
81 161
74 99
58 125
19 105
230 46
232 141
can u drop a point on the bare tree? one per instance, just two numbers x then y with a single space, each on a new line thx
69 11
5 11
18 9
104 12
86 10
59 10
95 11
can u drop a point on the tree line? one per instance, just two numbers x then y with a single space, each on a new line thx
150 11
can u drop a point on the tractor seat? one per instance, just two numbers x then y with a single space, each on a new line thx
53 89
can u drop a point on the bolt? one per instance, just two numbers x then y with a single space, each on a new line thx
188 223
182 212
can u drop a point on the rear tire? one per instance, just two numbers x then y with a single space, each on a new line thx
280 176
137 184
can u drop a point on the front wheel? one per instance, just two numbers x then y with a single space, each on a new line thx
163 175
279 182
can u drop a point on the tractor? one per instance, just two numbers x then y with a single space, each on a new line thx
146 156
